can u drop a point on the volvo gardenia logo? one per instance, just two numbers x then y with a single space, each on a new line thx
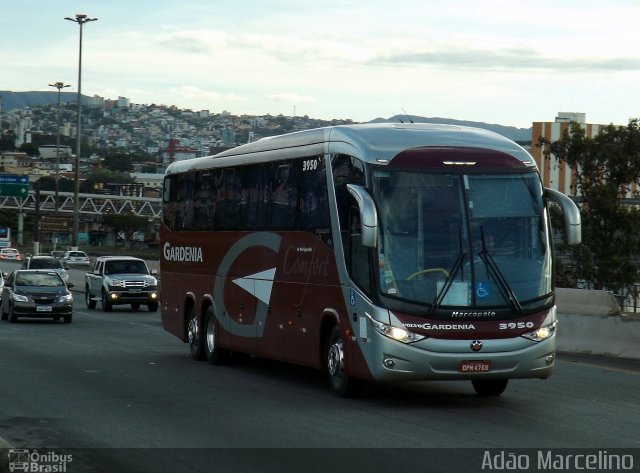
476 345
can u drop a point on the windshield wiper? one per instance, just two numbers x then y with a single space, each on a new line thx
503 285
448 282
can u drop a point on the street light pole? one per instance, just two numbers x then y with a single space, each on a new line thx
59 86
80 19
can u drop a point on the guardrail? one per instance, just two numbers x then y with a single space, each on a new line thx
627 296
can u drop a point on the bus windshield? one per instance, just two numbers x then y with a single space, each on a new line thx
452 240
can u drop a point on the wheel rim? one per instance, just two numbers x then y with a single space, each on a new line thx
192 330
211 334
335 360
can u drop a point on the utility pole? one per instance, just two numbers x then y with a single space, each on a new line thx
80 19
59 86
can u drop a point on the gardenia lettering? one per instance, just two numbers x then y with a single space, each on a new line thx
182 253
428 326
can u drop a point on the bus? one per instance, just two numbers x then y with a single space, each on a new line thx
375 252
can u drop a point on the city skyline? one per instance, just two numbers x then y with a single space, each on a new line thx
492 61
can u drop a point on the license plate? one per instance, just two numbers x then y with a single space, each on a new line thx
474 366
44 308
135 291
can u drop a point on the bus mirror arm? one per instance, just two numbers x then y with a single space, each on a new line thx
368 215
571 215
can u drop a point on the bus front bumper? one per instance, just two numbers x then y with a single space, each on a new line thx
439 359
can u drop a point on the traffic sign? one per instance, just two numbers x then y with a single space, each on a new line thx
53 223
14 185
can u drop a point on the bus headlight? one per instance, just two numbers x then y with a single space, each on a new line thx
396 333
542 333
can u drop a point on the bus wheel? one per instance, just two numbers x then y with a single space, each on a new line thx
340 382
194 332
213 353
489 387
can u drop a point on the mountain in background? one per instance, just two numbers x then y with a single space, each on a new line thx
13 100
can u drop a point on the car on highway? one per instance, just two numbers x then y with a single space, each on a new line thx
57 254
10 254
75 258
39 293
117 280
46 262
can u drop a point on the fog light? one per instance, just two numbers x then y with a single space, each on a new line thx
549 360
389 363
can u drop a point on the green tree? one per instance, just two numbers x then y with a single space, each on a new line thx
125 224
8 141
30 149
607 169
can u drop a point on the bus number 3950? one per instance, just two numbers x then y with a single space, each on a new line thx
310 165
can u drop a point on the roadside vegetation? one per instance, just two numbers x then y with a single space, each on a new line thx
607 182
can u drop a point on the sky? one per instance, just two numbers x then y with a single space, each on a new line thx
508 62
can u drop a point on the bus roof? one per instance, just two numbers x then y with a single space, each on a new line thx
371 142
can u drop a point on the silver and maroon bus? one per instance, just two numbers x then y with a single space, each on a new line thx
383 252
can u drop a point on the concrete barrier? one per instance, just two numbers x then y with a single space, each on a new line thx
591 322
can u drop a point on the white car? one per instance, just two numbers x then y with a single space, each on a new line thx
10 254
76 258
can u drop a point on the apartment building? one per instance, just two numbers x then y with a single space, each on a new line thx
554 174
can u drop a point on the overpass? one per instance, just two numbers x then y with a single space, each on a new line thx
89 204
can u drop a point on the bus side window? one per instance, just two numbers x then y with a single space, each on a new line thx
349 170
358 256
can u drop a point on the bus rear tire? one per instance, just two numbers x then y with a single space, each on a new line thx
213 353
341 383
489 387
195 338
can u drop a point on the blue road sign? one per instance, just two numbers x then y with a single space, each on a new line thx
13 179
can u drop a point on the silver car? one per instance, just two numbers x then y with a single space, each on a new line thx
46 262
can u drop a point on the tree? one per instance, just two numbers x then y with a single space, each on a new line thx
124 225
606 169
8 141
30 148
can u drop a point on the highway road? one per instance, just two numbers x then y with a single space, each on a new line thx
123 395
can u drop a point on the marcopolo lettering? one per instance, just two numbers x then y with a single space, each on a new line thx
469 314
185 254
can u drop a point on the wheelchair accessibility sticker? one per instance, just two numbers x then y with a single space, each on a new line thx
483 289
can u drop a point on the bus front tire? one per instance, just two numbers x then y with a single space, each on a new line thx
341 383
489 387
